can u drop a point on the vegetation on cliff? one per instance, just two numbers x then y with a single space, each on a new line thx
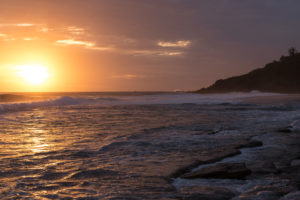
278 76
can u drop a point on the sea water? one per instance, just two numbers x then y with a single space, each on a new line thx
122 145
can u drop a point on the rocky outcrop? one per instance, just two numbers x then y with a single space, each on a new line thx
206 192
221 170
279 76
267 192
267 172
295 163
292 196
209 156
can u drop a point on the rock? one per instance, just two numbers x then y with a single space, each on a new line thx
292 174
206 192
262 167
285 130
216 154
295 163
262 195
296 126
221 170
208 156
281 164
251 143
291 196
266 192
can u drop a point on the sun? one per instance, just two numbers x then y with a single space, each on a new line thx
33 74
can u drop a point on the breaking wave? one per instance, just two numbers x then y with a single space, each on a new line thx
160 98
65 100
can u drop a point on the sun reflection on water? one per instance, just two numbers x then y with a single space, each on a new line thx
37 142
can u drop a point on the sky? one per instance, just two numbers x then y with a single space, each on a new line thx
139 45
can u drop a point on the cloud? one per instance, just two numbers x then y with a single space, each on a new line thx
17 30
75 42
85 44
44 29
179 43
170 53
153 53
127 76
75 30
102 48
25 25
19 25
72 35
119 50
5 37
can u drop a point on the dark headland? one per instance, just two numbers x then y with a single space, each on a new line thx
282 76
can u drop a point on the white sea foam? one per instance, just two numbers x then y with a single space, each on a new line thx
6 107
164 98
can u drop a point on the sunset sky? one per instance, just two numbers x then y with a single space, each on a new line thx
139 45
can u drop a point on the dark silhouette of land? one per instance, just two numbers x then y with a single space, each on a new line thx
281 76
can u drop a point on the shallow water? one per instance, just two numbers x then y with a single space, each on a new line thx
120 145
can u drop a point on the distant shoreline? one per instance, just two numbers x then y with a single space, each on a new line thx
280 76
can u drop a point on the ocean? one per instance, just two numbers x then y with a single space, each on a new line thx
126 145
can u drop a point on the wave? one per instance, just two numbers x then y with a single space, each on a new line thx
191 98
65 100
165 98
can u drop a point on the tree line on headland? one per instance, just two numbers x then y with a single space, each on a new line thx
281 76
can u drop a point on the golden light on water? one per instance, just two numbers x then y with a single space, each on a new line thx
33 74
